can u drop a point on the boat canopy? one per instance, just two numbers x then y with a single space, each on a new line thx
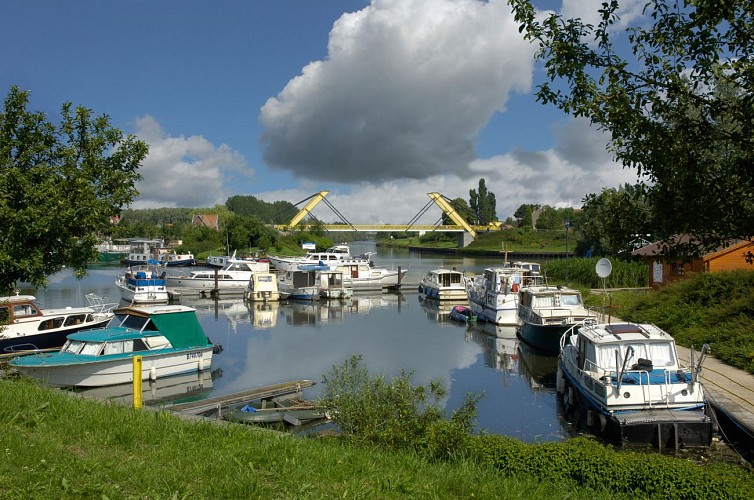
182 329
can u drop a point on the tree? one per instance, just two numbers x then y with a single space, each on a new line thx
609 220
677 101
60 185
482 204
462 209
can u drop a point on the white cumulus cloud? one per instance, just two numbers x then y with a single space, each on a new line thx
403 93
184 171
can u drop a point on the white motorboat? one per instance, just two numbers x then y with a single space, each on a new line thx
629 376
168 338
312 282
234 277
444 284
330 257
29 326
493 295
144 284
263 287
547 312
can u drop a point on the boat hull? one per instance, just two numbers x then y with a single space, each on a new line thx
543 337
46 340
104 372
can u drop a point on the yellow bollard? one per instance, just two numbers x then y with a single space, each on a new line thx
137 382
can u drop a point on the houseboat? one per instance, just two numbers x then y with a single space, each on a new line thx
631 383
444 284
547 312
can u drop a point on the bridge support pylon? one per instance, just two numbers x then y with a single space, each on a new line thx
464 239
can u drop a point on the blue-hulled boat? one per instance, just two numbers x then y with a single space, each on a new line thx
169 339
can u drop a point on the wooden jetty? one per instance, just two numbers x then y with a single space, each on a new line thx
216 404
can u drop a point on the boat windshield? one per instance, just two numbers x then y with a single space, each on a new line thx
570 300
134 322
73 346
91 348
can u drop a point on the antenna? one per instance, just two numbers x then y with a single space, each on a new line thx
603 270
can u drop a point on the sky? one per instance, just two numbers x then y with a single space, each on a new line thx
378 102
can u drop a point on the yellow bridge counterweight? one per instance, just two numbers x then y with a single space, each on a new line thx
448 209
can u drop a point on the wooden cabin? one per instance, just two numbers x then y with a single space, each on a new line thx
663 270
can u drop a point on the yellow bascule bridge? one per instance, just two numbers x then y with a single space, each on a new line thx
467 232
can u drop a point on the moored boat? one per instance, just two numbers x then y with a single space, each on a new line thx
29 326
628 376
330 257
547 312
263 287
142 250
234 277
144 284
493 295
444 284
175 259
292 411
462 314
168 338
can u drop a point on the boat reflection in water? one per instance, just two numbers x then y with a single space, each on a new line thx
177 388
539 367
439 310
308 313
234 309
500 345
264 315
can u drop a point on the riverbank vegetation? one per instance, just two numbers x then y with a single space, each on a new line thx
705 308
57 445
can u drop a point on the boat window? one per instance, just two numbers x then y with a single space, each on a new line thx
570 300
51 324
24 310
139 345
73 346
661 354
119 347
75 319
134 322
150 327
544 301
92 348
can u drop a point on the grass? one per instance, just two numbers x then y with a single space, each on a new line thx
714 308
58 446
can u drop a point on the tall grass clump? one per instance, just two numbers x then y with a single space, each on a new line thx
392 412
582 270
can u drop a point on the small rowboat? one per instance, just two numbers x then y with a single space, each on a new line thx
463 314
271 411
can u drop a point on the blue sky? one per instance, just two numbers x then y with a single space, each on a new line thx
378 102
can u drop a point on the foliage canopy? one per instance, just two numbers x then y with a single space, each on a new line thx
60 186
677 101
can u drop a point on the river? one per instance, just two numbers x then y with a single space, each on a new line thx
273 343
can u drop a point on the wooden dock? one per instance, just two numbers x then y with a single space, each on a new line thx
730 392
216 404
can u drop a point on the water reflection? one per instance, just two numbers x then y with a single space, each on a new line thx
268 344
169 389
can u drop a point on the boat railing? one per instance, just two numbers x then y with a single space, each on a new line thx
98 304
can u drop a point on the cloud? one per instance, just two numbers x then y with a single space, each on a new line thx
561 176
184 171
403 93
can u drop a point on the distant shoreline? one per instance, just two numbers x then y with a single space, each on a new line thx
491 253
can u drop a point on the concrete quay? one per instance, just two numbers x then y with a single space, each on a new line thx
730 391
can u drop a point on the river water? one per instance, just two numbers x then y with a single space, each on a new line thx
274 343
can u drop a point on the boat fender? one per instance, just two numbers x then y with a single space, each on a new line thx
201 364
514 288
559 381
153 373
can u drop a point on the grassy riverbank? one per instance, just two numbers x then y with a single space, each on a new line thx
55 445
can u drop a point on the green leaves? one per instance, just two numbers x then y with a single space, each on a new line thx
676 97
60 185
